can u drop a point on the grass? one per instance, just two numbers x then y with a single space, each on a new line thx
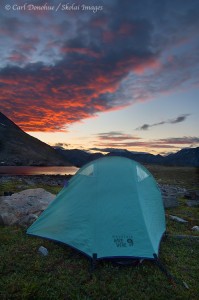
63 274
20 184
187 177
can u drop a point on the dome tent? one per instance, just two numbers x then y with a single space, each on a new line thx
111 208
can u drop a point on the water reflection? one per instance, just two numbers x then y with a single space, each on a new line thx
23 170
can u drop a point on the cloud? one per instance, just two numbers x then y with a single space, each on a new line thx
106 149
115 136
167 143
179 119
62 146
134 144
180 140
60 68
144 127
81 82
147 126
17 57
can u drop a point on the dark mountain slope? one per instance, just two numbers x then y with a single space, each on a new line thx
146 158
184 157
78 157
19 148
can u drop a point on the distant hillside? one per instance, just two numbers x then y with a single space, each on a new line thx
184 157
146 158
19 148
78 157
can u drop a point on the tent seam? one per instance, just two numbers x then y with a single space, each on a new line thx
143 216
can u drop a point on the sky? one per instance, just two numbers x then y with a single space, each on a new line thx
97 75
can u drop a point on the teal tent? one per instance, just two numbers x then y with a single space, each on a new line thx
111 208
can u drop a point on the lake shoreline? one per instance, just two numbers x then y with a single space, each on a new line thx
27 170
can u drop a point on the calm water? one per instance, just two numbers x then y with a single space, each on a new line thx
22 170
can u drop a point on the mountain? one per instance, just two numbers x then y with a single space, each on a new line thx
184 157
146 158
78 157
19 148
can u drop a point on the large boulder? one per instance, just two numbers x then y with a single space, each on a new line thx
23 208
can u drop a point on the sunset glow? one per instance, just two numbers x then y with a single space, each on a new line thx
125 76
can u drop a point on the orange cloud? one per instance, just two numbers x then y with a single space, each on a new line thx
84 51
42 100
153 64
127 28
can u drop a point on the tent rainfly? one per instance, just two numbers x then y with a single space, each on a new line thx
111 208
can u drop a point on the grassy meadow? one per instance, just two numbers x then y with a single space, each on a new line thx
63 274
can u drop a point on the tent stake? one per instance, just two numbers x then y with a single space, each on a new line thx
93 264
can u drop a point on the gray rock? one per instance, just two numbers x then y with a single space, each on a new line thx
170 194
27 220
192 195
24 207
192 203
42 250
195 228
179 220
8 218
170 201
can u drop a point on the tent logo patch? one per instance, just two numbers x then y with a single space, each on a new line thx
123 241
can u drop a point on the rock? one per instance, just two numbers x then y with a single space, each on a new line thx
170 194
177 219
170 201
183 236
24 207
27 220
192 195
8 218
195 228
42 250
192 203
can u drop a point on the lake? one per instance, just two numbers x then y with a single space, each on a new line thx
23 170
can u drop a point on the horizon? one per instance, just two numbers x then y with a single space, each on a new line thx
114 75
105 151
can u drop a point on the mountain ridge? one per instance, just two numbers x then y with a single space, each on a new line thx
185 157
19 148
